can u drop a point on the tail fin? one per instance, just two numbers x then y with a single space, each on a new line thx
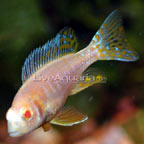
110 41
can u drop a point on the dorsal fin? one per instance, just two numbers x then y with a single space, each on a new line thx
64 43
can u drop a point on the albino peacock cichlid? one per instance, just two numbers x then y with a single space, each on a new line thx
50 74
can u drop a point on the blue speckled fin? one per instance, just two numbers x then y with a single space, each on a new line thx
110 41
64 43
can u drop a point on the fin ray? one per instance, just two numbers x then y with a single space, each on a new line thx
68 117
87 79
112 42
64 43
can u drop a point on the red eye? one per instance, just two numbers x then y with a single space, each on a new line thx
27 114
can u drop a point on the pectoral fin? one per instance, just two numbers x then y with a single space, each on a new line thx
46 127
69 117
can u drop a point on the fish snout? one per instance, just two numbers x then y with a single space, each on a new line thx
15 123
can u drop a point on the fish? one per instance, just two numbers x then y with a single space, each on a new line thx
52 72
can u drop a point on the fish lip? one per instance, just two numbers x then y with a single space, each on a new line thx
11 131
14 133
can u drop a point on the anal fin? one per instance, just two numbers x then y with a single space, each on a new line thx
87 79
68 117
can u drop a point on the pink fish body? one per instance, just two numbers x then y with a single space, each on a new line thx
51 73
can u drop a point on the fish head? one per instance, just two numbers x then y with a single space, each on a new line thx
22 120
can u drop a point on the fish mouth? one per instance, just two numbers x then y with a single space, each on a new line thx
14 133
15 123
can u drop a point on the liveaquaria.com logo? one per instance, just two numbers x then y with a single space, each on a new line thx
83 78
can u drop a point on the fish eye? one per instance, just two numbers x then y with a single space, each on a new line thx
27 114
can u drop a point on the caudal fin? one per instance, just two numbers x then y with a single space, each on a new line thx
110 41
